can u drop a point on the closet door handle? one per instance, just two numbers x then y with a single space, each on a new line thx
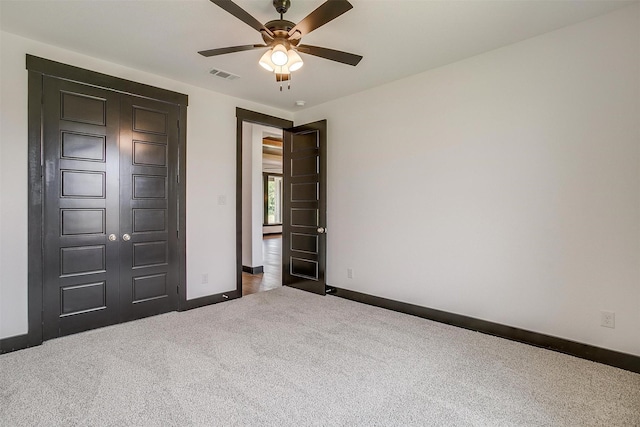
113 237
126 237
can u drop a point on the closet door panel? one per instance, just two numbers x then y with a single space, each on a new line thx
81 199
148 207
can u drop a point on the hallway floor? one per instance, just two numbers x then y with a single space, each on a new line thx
272 276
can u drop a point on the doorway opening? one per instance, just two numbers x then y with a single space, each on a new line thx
259 194
262 193
304 200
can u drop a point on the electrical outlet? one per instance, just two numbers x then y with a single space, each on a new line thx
205 278
349 273
608 319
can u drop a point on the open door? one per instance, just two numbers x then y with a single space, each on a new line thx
304 242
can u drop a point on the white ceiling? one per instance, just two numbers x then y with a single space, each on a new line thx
397 38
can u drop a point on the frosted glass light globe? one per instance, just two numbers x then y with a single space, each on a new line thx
279 56
265 61
295 62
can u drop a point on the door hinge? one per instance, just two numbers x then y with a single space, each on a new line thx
177 234
178 179
178 289
178 123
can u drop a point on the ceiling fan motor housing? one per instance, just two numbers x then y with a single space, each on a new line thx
281 6
280 29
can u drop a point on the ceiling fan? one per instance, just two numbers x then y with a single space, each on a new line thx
283 37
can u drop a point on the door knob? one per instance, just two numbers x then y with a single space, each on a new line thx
126 237
321 230
113 237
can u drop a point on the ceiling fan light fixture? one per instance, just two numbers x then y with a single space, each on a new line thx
265 61
282 37
279 55
295 62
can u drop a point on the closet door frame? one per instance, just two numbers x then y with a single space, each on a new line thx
38 68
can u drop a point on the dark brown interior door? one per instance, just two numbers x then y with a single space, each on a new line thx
81 197
148 216
304 207
110 207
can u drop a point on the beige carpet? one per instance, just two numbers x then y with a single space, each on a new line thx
286 357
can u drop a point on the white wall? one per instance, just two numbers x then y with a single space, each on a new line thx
247 193
211 151
504 187
4 314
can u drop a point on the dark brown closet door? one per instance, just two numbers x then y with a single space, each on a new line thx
305 207
110 207
148 207
81 197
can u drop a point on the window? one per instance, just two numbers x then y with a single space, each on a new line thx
272 199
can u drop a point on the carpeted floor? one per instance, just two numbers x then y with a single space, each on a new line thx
286 357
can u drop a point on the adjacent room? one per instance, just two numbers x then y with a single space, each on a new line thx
262 192
311 212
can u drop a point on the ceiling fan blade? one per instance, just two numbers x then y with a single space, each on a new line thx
242 15
223 50
327 11
331 54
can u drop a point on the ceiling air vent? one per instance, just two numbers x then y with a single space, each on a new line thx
224 74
